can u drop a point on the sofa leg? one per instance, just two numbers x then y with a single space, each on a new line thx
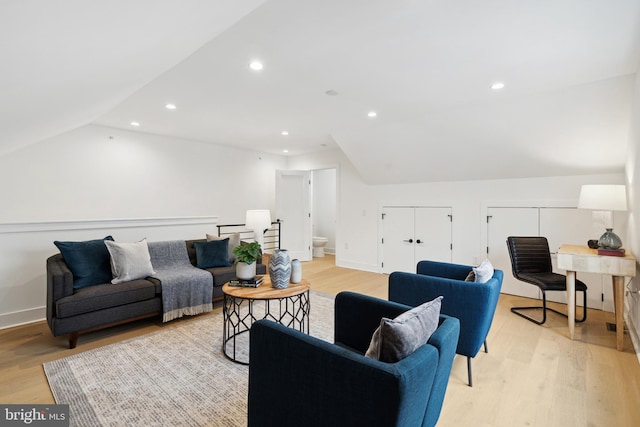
73 339
485 347
469 371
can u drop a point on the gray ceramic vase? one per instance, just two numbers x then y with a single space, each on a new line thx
280 268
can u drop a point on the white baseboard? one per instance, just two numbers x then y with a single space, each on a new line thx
22 317
357 265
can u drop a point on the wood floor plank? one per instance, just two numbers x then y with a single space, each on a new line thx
532 376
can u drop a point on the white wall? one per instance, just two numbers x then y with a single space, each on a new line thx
359 206
323 209
87 183
632 240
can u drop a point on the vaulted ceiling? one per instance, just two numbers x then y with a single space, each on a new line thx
425 67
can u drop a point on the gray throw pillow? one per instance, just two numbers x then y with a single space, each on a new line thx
234 240
129 261
398 338
483 272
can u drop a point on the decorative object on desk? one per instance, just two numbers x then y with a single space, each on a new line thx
603 199
609 240
593 244
296 271
258 220
246 257
611 252
280 268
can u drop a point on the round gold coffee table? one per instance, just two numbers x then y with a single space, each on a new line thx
244 305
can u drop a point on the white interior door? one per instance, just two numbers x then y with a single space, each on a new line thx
432 235
502 223
293 209
398 239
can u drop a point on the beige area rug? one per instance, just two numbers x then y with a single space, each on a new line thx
174 377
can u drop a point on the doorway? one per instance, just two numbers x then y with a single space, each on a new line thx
306 203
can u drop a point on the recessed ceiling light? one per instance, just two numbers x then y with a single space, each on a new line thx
170 106
497 86
285 151
332 92
372 114
256 66
135 124
284 132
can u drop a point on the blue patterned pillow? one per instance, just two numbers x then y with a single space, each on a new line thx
89 261
212 254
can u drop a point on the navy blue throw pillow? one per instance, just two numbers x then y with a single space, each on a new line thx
89 261
212 254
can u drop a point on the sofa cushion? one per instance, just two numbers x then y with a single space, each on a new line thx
130 261
234 240
212 254
398 338
103 296
88 261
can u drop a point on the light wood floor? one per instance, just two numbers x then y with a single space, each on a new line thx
532 376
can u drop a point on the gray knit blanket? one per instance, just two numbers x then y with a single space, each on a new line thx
186 290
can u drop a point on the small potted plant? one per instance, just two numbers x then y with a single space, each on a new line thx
246 257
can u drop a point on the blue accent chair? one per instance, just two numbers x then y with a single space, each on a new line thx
474 304
298 380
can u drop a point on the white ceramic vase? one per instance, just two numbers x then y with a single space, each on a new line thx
296 271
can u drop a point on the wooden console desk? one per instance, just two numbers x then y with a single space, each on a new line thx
573 258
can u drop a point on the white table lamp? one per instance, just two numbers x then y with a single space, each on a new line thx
603 199
258 220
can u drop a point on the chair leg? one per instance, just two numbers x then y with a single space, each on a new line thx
485 347
469 371
545 308
584 307
516 310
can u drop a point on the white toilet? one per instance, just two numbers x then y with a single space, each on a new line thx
318 246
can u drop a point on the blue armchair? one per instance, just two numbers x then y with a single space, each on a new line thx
299 380
474 304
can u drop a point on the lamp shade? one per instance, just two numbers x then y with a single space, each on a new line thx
603 197
258 219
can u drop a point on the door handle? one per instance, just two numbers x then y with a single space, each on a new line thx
419 241
408 241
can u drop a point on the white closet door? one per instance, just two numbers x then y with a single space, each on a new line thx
398 239
432 235
502 223
571 226
412 234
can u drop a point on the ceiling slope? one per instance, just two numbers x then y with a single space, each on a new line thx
425 67
64 63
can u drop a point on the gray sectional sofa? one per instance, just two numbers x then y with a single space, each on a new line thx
75 310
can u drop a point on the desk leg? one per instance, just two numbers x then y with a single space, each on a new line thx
618 304
571 301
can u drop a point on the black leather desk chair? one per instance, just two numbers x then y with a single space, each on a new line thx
531 263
